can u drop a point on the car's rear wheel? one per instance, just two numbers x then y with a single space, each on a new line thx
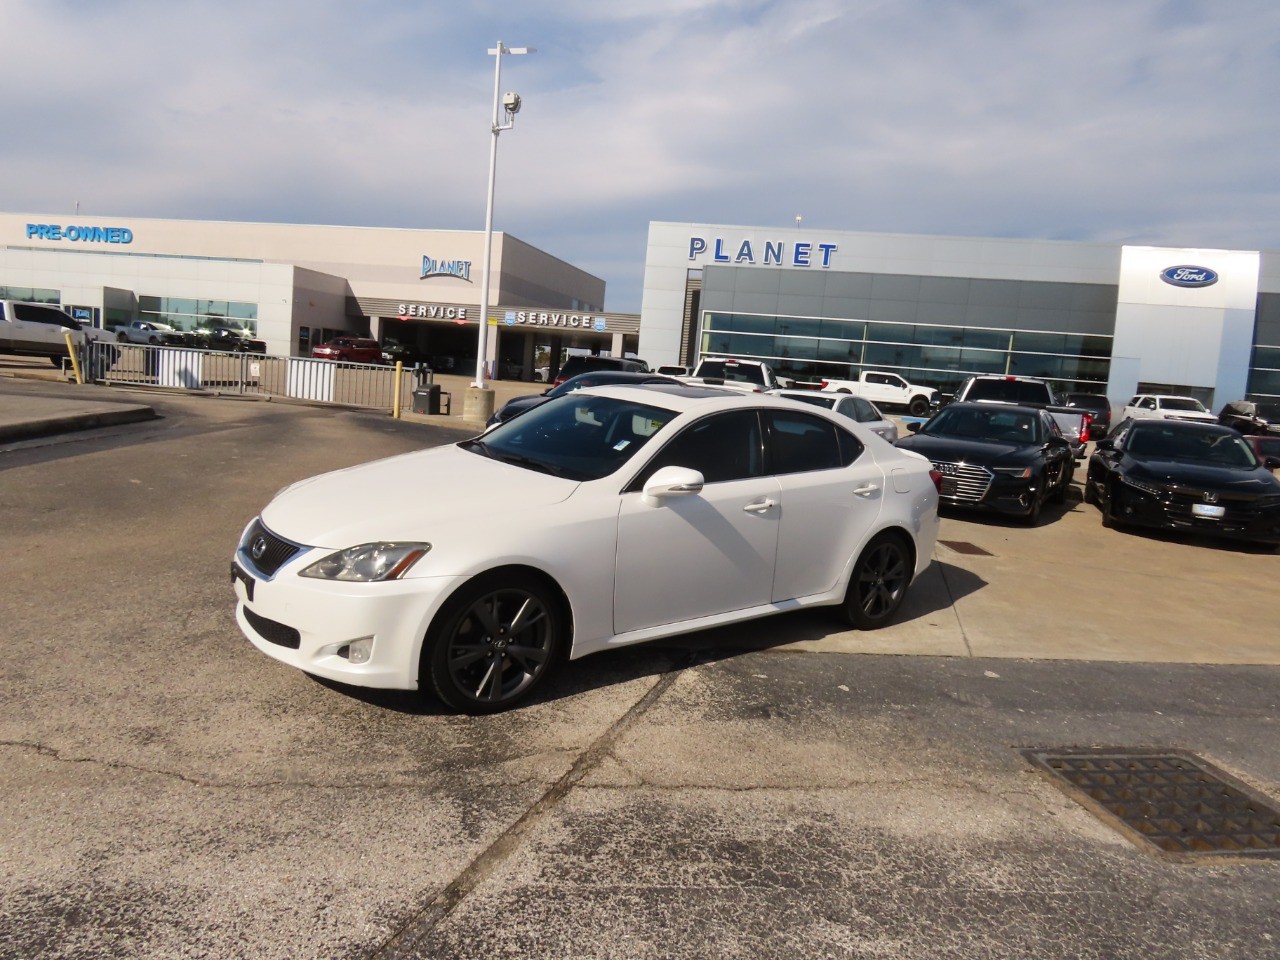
493 643
879 582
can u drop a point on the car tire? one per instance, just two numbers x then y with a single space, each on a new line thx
1108 512
878 583
121 337
1089 495
918 406
461 649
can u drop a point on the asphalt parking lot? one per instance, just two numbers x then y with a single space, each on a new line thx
781 789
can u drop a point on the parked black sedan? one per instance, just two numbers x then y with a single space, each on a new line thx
1009 459
1183 475
595 378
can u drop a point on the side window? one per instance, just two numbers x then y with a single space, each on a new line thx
863 411
896 382
799 443
1133 401
722 447
1148 403
877 378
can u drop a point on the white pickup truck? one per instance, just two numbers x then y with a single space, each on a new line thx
886 390
148 331
39 330
749 376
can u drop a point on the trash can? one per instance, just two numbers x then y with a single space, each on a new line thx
426 399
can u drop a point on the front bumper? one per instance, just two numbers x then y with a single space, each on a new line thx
310 624
1178 510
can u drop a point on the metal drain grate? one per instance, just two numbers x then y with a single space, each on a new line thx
963 546
1169 800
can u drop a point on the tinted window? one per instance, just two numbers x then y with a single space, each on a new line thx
722 447
863 411
581 437
799 443
731 370
986 423
1162 440
31 313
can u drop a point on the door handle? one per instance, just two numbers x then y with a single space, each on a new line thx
760 506
866 490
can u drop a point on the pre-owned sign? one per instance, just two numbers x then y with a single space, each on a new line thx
56 231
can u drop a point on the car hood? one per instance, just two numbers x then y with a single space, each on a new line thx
989 453
1191 415
521 404
409 497
1223 479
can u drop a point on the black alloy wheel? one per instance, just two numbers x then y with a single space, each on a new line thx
494 641
1059 492
918 407
1107 506
879 583
1032 516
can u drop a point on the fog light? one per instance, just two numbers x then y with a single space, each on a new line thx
360 650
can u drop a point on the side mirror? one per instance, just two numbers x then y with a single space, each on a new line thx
1106 443
1272 463
672 482
1057 443
913 426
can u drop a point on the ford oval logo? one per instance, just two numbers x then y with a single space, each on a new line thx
1186 275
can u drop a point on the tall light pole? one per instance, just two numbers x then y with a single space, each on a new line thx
510 105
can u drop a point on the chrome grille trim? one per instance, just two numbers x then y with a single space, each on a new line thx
279 550
963 482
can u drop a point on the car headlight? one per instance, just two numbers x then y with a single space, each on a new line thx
1022 473
368 562
1149 488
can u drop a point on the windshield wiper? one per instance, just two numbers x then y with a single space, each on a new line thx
517 460
477 445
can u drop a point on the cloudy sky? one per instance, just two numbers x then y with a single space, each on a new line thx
1147 121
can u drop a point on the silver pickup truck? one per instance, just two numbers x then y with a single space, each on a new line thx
1029 392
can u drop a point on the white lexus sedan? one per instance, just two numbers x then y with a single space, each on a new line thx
609 516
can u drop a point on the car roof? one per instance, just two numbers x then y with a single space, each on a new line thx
988 405
683 398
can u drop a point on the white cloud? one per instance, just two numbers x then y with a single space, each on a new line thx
1147 120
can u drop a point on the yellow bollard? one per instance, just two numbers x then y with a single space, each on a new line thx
395 407
75 361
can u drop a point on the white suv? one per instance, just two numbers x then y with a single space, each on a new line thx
1156 406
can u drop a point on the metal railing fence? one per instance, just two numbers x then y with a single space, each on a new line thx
184 368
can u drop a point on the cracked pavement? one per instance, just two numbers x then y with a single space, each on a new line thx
783 789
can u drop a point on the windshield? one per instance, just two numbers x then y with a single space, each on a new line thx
581 436
1182 403
1168 442
731 371
1009 391
993 424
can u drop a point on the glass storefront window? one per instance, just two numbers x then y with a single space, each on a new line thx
31 295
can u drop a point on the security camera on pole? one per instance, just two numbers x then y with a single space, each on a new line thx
478 404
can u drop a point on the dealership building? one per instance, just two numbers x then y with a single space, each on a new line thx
1113 318
812 303
296 286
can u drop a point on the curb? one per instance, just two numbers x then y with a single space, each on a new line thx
45 426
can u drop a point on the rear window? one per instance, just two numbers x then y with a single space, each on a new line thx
1009 391
730 371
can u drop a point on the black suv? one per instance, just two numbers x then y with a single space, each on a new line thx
1098 406
587 364
1249 417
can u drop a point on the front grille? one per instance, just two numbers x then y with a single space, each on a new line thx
275 551
1238 509
273 632
963 482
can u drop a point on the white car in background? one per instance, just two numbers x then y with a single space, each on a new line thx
608 516
1158 406
855 408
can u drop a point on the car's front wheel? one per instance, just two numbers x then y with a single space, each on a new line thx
493 643
879 583
918 407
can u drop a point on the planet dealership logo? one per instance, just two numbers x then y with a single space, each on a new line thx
458 269
1186 275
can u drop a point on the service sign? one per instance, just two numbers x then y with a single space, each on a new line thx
1186 275
433 311
582 321
56 231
